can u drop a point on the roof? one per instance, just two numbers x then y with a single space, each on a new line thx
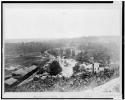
21 72
96 64
82 66
10 81
24 71
8 75
89 66
31 68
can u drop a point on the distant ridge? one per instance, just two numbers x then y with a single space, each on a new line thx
91 38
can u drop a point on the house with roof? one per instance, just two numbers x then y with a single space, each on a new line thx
11 82
29 71
90 67
20 75
31 68
24 73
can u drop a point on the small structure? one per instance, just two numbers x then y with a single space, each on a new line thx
101 69
44 75
90 67
8 76
24 73
31 68
20 75
21 72
30 71
96 67
10 82
82 67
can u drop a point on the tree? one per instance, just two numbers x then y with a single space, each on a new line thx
41 71
22 48
68 52
73 53
108 60
102 56
76 68
55 68
54 52
81 46
82 57
42 50
61 52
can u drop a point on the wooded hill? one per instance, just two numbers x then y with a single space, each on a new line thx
98 42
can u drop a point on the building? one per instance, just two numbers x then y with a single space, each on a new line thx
82 67
90 67
7 76
29 69
21 72
20 75
96 67
10 82
24 73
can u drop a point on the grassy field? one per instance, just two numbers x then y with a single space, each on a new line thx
20 61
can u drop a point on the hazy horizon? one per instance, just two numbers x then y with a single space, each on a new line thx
98 38
63 37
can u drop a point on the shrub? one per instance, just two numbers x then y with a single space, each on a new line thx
41 71
55 68
35 78
76 68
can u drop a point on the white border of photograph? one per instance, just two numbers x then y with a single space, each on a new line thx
89 94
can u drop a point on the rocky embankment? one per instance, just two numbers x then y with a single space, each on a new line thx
112 86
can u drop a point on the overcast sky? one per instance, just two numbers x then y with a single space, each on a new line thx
32 21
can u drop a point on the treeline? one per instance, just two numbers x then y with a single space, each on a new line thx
91 43
68 53
93 39
102 52
30 47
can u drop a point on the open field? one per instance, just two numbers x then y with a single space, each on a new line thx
23 61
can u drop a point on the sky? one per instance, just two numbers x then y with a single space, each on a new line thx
32 21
